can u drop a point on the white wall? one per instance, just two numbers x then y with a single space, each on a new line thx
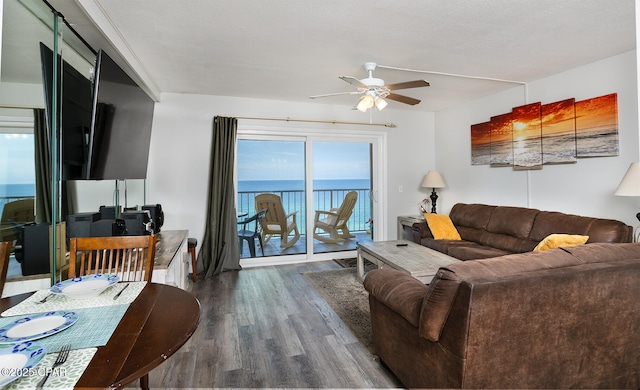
181 142
584 188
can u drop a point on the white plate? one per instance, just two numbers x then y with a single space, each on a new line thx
15 359
37 326
85 286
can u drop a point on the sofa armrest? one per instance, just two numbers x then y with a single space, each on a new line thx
421 230
400 292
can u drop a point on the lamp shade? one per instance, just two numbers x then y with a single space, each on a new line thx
630 184
366 102
433 180
380 103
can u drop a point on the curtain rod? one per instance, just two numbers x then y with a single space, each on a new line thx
335 122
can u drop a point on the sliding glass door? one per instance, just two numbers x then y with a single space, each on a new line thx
325 186
341 195
273 167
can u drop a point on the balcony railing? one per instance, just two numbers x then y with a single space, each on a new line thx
325 200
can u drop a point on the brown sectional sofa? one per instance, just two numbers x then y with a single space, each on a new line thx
562 318
491 231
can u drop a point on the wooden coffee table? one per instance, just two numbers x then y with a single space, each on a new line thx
418 261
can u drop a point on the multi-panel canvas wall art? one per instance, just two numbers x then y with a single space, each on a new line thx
536 134
501 140
527 136
597 126
559 132
481 143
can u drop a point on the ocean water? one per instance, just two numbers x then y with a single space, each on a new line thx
598 142
17 190
298 185
550 149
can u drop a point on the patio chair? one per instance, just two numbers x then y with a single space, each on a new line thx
14 215
130 257
250 235
277 221
334 221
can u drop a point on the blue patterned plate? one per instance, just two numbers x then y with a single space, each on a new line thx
85 286
37 326
17 359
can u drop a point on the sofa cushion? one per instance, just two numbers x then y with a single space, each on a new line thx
473 251
504 242
512 221
441 227
402 293
608 230
442 245
548 222
553 241
604 252
471 215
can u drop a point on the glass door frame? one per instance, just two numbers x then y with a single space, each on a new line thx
378 141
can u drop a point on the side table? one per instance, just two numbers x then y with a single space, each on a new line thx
407 220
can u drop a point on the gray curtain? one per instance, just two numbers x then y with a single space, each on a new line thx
42 151
219 250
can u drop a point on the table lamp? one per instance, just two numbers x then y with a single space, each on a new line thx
433 180
630 184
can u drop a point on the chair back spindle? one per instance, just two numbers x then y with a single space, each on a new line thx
129 257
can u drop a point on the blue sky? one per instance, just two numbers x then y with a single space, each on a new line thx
284 160
16 159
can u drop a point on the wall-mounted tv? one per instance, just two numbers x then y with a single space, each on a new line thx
120 125
75 111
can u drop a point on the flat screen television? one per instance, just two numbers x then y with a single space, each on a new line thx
122 114
74 102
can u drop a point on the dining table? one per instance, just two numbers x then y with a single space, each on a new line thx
158 321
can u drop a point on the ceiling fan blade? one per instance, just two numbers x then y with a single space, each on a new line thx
336 94
408 84
354 81
402 99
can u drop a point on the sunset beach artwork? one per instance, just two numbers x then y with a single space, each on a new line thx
597 126
527 136
501 140
481 143
537 134
559 132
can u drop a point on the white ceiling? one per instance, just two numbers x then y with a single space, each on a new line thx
291 49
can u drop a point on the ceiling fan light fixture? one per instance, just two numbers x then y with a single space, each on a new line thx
380 103
365 103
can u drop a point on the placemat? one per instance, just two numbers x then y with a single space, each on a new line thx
60 302
92 329
64 377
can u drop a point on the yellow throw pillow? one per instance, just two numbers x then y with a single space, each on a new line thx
441 227
553 241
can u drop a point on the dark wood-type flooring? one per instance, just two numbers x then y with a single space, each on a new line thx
267 327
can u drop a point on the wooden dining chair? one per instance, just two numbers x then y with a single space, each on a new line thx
5 251
130 257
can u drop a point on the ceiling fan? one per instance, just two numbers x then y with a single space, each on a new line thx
375 92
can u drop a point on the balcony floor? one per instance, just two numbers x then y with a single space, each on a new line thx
272 248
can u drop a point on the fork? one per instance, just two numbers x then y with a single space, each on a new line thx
43 300
62 357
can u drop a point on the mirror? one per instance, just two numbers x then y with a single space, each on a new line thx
26 23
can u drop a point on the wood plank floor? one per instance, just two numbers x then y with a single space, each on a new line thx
267 327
